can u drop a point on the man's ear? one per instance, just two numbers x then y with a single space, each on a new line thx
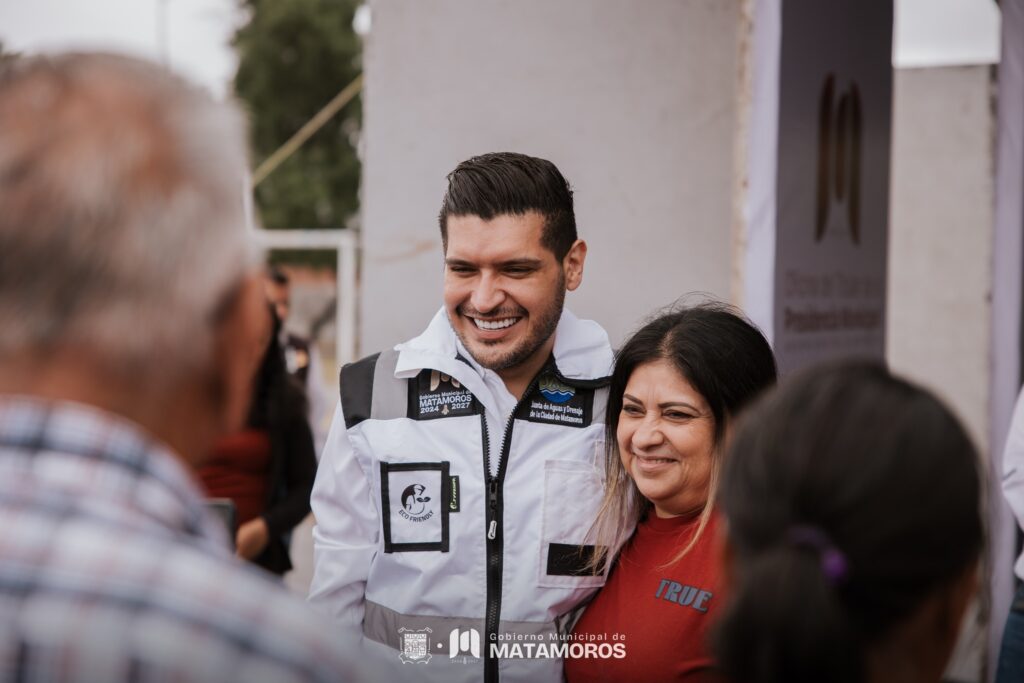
241 339
572 265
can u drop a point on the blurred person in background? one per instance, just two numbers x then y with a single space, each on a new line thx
267 469
1011 655
131 307
677 386
852 508
302 358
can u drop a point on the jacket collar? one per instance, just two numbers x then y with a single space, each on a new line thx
582 351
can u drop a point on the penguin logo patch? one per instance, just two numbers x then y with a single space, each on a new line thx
414 504
415 501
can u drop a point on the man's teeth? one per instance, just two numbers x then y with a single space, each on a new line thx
494 324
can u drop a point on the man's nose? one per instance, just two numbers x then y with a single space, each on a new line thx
488 294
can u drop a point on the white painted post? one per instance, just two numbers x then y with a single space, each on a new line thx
345 242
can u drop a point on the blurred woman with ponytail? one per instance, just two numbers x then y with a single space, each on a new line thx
676 387
851 500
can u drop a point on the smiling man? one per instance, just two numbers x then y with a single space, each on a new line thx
494 418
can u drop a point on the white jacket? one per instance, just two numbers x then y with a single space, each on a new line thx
425 547
1013 472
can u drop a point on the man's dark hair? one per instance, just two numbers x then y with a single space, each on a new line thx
502 183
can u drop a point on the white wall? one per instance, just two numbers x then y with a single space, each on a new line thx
941 219
633 101
940 258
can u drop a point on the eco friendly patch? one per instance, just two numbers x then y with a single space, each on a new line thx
415 503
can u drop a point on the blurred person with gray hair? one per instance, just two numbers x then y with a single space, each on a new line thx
131 319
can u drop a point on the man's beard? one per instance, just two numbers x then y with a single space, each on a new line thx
547 322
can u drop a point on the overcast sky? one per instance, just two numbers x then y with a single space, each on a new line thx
197 32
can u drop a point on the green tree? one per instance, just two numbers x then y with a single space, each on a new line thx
294 56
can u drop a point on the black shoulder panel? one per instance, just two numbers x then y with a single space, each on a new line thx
356 382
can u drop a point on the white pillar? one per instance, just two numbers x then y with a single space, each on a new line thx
634 101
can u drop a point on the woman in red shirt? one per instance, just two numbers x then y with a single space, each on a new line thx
677 384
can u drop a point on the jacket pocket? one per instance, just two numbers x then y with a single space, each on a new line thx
414 506
572 498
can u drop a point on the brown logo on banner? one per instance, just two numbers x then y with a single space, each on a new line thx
840 126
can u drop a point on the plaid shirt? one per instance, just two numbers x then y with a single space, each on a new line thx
111 569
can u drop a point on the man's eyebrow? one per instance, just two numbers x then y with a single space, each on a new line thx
511 263
521 262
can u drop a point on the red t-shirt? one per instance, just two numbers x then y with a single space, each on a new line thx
661 613
238 469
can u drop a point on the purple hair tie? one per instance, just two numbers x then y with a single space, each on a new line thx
833 562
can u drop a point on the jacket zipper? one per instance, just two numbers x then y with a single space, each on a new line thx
495 542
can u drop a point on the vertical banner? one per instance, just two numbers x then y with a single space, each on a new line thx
832 109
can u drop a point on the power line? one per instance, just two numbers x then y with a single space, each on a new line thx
312 126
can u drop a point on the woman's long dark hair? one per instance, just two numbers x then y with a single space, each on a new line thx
277 397
883 481
721 355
